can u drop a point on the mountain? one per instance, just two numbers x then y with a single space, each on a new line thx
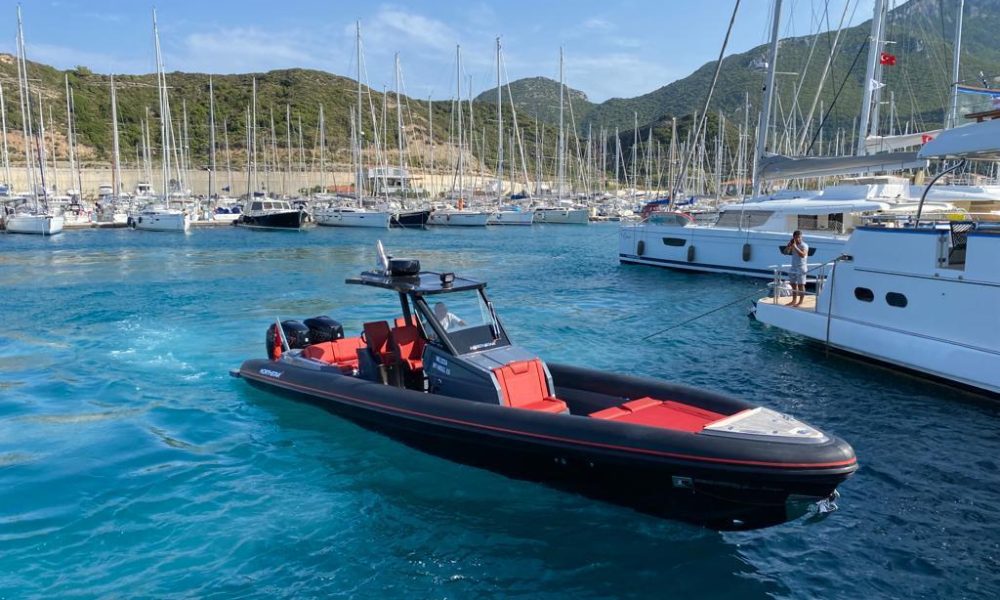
302 90
539 97
921 32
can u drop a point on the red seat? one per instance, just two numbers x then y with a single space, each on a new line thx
658 413
408 346
377 336
401 322
523 385
343 352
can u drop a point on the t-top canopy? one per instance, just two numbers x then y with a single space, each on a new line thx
421 284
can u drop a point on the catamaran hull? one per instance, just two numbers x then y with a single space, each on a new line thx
715 250
34 224
720 482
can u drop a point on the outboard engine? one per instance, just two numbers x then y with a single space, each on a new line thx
324 329
296 334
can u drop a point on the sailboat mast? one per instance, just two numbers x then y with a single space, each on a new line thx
874 50
288 142
253 137
229 164
3 118
25 98
765 113
71 135
561 158
358 175
458 105
117 173
161 85
211 139
955 64
41 150
499 129
399 132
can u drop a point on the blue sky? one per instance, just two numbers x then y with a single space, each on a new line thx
613 49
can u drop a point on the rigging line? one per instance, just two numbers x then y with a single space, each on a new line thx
708 98
756 290
847 76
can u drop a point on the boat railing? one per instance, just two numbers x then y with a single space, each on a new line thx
780 285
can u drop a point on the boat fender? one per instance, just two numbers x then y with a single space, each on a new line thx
640 248
131 223
746 252
690 256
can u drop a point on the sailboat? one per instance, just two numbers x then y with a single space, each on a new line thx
262 211
505 215
35 218
342 214
564 212
458 216
157 215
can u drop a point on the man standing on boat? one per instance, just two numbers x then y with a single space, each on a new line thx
799 250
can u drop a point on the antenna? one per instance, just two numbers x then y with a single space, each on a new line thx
383 260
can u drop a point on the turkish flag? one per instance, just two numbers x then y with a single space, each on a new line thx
887 59
926 138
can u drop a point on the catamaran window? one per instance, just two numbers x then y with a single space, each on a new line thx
669 241
896 299
864 294
255 206
466 319
748 219
809 222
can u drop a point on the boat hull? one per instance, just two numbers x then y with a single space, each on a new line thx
416 219
574 216
34 224
336 218
512 217
717 250
459 219
655 471
287 220
172 220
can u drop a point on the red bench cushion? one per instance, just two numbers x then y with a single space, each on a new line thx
343 352
658 413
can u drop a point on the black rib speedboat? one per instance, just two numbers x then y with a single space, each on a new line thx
445 378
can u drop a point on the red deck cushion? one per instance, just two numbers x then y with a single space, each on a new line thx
657 413
523 385
343 352
377 334
409 345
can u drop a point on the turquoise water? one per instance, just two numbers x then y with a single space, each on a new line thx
132 465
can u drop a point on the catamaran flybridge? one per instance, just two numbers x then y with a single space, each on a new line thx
446 378
921 297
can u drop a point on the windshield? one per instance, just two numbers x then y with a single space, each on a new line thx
466 320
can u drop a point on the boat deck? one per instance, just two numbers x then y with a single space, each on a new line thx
809 303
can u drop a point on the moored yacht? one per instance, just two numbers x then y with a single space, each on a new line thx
269 213
512 215
909 296
562 215
346 216
746 239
